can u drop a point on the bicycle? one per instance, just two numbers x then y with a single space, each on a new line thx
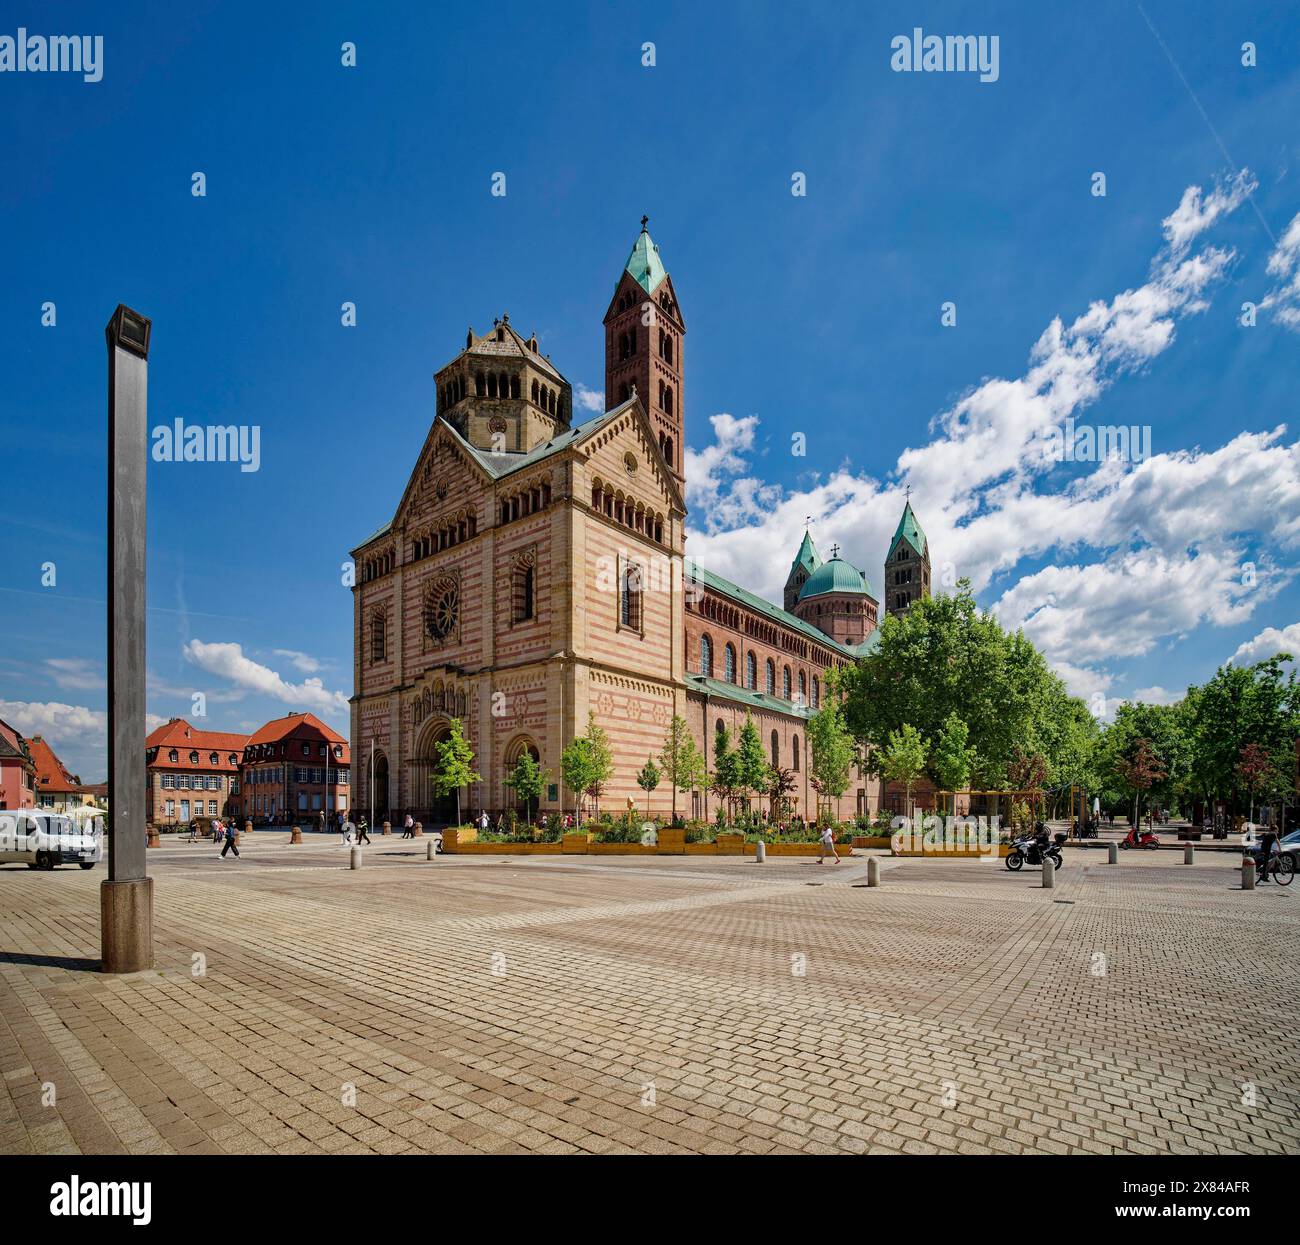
1282 868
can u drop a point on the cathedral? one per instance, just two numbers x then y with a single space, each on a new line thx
534 571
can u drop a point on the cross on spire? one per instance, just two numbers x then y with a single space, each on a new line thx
645 221
835 551
907 493
807 521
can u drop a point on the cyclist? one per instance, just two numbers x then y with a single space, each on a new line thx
1264 851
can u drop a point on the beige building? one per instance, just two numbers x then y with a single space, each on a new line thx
534 571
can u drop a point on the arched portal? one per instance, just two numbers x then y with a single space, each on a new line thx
380 793
426 807
524 808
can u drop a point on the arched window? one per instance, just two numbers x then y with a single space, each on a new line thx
378 636
785 682
668 399
794 751
514 386
668 451
730 664
776 750
522 593
706 657
817 693
751 671
803 687
630 597
480 384
771 678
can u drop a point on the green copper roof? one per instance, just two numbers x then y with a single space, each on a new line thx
908 529
706 577
721 690
837 575
644 263
806 557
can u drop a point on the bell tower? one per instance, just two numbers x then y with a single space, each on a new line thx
644 333
907 564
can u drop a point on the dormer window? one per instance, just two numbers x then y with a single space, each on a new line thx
171 756
213 758
194 758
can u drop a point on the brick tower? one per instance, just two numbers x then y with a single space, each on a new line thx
644 332
907 564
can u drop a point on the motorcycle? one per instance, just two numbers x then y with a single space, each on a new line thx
1140 838
1029 849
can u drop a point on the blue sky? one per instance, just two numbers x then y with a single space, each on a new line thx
817 314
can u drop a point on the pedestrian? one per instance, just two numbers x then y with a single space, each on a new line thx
483 821
230 840
828 844
408 828
216 831
362 827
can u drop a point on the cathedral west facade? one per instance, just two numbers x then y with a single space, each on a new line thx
534 571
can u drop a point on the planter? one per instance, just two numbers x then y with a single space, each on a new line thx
574 844
672 841
871 840
730 845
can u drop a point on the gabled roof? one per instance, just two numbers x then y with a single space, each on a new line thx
282 728
498 466
178 733
744 597
837 575
644 264
909 529
51 773
807 557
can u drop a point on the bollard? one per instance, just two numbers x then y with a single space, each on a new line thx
873 871
760 852
1247 873
417 831
1049 873
429 849
356 858
1113 852
388 829
295 835
1189 854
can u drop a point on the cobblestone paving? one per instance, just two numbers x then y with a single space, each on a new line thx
635 1004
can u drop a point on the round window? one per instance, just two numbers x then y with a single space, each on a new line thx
629 462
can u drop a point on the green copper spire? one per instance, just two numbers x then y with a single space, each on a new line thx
909 529
644 263
806 557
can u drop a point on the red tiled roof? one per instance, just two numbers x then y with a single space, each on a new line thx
287 727
179 734
51 773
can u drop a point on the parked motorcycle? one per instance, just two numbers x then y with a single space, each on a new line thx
1140 838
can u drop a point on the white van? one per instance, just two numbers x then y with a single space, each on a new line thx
42 840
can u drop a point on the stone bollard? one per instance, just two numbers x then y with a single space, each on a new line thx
388 829
154 840
1189 854
1248 873
431 849
418 832
760 852
873 871
1112 850
1049 873
295 836
356 857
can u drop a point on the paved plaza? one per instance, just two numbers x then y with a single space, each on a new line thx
652 1005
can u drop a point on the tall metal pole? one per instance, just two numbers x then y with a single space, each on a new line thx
126 898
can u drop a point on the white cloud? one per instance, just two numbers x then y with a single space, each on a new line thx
1156 696
1141 550
227 661
589 399
54 721
76 673
299 661
1284 264
1268 643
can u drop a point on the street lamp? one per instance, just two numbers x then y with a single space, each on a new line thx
126 898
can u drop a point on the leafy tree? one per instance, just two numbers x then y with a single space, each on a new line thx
903 757
725 781
648 780
751 764
1141 769
780 782
1255 768
831 752
527 778
680 760
587 764
454 767
952 758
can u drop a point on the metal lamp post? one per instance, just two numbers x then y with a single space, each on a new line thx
126 899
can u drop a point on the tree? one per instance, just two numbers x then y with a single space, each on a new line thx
751 767
454 767
951 758
780 782
648 780
528 779
680 760
831 752
903 757
1141 769
1256 770
587 764
725 780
